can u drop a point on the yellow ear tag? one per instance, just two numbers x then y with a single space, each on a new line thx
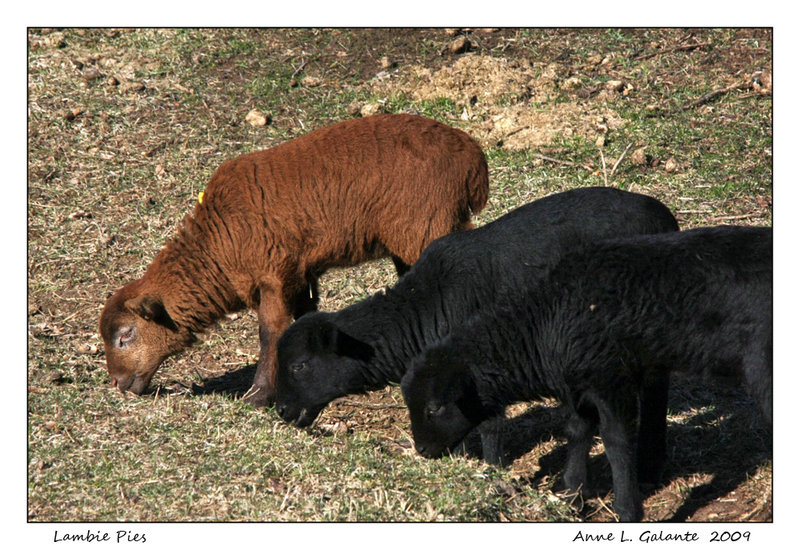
200 197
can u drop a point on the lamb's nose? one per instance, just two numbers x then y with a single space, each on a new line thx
122 382
281 409
421 449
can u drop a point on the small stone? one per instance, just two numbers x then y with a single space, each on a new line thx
639 157
312 81
90 75
256 118
459 45
628 89
59 378
370 109
386 63
129 87
671 165
70 114
452 31
112 81
55 40
595 59
762 82
571 83
80 214
614 85
354 108
600 141
504 489
88 349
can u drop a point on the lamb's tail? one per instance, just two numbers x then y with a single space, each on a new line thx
478 186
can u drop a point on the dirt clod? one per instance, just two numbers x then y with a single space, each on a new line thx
256 118
370 109
671 165
460 44
639 157
131 87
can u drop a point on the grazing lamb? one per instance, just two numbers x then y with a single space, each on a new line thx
271 222
604 321
369 344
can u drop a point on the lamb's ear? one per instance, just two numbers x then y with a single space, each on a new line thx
330 338
151 308
348 346
469 401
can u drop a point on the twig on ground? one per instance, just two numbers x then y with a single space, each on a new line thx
616 164
603 162
702 100
685 48
694 211
607 509
516 130
705 98
369 405
564 162
300 68
739 217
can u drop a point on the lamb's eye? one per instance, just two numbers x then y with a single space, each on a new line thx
297 367
124 337
433 410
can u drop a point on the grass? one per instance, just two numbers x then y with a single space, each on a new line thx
235 464
108 187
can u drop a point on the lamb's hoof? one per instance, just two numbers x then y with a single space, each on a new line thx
572 488
630 514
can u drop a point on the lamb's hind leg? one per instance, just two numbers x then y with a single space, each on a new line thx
618 417
273 319
580 437
757 368
651 446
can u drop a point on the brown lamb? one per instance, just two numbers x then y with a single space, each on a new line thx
271 222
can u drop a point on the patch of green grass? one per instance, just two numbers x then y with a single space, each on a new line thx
156 460
441 108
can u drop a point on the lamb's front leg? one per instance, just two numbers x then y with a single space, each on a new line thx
580 438
273 319
491 432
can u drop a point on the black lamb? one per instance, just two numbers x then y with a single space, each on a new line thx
603 323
